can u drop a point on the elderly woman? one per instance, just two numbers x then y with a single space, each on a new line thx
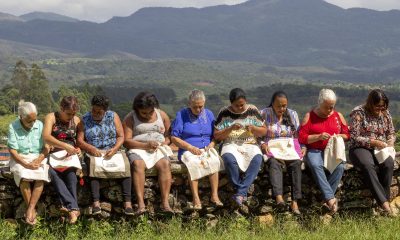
372 129
192 130
60 132
146 130
238 126
282 123
318 126
100 133
28 152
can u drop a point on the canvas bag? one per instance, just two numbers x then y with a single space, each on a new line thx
199 166
285 149
59 160
115 167
385 153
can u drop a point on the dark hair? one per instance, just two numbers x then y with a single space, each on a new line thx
286 119
144 100
100 101
69 103
374 97
236 94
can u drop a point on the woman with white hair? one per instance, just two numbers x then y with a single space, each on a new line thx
318 126
192 131
28 157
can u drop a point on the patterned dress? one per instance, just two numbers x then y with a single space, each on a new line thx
103 134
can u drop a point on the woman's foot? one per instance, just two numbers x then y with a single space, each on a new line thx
96 209
387 210
295 208
280 203
73 216
30 216
216 203
128 210
238 200
332 205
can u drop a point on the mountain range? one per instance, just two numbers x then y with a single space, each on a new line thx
275 32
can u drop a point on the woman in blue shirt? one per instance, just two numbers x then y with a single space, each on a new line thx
192 130
101 130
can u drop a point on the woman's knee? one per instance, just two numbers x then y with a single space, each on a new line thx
228 158
163 165
138 165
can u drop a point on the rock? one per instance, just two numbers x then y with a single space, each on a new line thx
113 193
212 223
106 206
265 220
326 219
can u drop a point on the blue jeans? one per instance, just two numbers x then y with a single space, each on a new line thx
327 184
65 186
232 168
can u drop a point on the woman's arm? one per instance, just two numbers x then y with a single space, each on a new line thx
345 128
167 125
120 136
80 141
49 121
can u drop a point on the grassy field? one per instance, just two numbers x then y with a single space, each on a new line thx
341 227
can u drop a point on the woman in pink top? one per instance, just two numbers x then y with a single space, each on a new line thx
318 126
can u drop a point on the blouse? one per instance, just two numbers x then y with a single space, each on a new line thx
103 134
275 129
195 130
251 116
23 141
365 127
317 125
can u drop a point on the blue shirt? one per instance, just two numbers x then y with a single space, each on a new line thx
23 141
195 130
103 134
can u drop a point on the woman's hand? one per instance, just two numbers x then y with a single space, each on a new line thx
152 145
378 144
194 150
250 128
71 150
265 149
95 152
235 126
110 153
324 136
303 151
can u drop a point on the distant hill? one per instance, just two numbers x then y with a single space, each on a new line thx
273 32
47 16
9 17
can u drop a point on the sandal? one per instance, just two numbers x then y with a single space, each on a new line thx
141 211
129 211
73 216
237 200
166 212
217 204
96 211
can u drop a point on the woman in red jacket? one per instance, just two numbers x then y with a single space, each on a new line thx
318 126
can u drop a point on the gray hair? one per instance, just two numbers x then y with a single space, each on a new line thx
326 94
26 108
196 95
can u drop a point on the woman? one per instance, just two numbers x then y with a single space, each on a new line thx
60 133
28 153
192 130
146 130
317 128
372 129
282 123
100 133
238 126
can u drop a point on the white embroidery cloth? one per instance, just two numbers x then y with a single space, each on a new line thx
284 149
59 160
151 158
334 153
242 152
199 166
385 153
19 172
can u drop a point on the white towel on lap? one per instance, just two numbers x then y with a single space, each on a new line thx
385 153
202 165
151 158
242 152
334 153
59 160
20 172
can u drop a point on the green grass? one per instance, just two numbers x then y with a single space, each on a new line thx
343 227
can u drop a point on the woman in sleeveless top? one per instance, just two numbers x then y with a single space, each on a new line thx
240 126
60 133
99 130
146 131
317 128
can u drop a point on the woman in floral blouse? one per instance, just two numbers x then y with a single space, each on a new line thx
372 129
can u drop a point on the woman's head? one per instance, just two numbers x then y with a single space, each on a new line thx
100 105
197 101
144 104
69 106
326 101
279 102
27 113
237 97
377 102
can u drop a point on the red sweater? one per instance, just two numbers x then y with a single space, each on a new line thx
318 125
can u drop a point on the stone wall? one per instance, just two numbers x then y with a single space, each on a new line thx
352 194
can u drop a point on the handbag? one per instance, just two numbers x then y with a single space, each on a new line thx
115 167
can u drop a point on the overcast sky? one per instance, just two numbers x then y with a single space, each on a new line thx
102 10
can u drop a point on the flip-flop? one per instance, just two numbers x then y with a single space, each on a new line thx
165 212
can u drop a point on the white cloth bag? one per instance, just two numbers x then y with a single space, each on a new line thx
199 166
60 160
385 153
20 172
150 158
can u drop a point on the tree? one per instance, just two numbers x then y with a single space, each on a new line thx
39 91
20 78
